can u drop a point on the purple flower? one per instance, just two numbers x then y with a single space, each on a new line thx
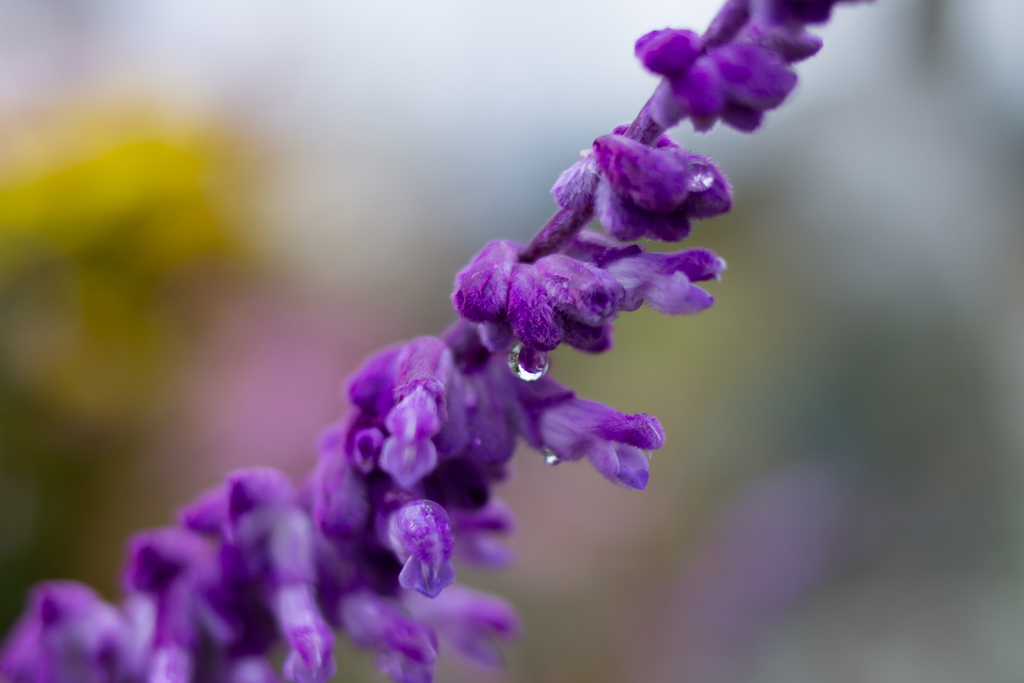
423 368
421 532
167 566
531 313
310 639
663 281
574 189
580 291
740 67
612 442
655 192
469 620
406 648
481 288
270 540
69 635
341 505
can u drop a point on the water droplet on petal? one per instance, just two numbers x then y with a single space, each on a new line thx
526 363
550 457
702 177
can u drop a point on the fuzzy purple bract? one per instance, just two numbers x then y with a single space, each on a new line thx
403 487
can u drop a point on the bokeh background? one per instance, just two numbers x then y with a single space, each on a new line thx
211 210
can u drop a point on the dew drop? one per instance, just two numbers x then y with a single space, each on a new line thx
550 457
526 363
701 177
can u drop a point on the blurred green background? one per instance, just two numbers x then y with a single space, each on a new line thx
210 212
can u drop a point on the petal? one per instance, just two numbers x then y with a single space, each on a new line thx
208 513
424 365
422 529
698 264
587 338
574 189
426 578
481 288
159 556
530 311
625 221
601 456
372 387
741 117
640 430
254 488
492 432
676 295
633 467
309 637
699 93
497 337
578 290
406 648
753 76
655 179
290 550
669 52
366 445
416 417
406 462
170 664
662 280
619 463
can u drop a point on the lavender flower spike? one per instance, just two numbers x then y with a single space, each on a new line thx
404 480
421 531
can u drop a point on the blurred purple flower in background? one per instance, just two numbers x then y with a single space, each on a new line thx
365 543
770 544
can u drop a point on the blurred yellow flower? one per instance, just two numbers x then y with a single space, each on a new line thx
98 217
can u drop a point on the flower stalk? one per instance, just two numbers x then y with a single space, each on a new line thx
368 542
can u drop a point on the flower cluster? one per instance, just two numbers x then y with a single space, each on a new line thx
366 543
